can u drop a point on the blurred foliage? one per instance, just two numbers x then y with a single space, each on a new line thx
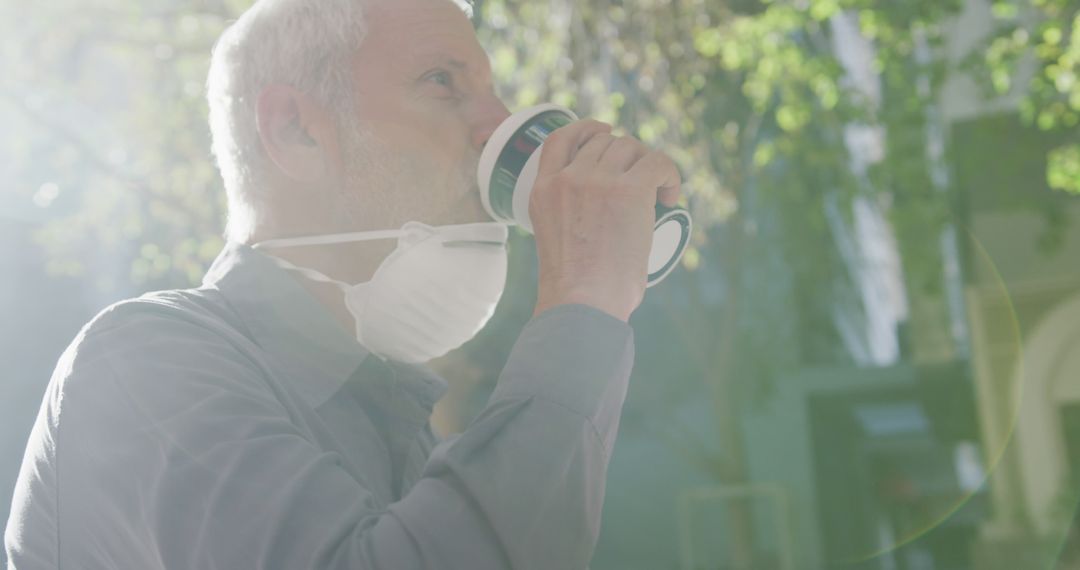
1036 41
113 94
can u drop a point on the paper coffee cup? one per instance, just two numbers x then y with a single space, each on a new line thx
507 171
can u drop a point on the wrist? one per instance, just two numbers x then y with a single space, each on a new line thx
609 304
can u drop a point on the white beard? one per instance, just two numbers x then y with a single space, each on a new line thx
403 184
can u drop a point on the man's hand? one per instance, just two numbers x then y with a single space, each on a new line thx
593 211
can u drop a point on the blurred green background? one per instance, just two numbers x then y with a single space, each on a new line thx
871 356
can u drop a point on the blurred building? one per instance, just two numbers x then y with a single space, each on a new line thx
1023 300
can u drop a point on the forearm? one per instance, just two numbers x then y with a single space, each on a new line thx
523 486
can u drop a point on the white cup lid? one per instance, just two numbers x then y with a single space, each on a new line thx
498 141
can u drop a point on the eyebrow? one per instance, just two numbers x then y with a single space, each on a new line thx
441 59
456 63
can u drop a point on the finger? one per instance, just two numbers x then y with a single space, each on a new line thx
562 143
589 154
656 170
669 195
621 155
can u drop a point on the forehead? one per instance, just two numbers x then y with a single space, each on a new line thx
417 32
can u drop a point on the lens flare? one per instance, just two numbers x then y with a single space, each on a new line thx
993 451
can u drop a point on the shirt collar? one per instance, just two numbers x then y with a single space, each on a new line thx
299 333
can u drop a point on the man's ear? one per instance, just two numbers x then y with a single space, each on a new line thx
298 134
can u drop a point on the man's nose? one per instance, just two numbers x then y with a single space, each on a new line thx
492 113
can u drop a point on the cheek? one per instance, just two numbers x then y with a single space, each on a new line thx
443 147
435 131
446 133
417 132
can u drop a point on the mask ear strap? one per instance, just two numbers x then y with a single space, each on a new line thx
329 239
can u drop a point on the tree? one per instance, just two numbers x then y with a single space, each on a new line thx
1041 35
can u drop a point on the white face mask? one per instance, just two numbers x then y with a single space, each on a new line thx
430 296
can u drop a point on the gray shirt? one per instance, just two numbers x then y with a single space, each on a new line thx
238 426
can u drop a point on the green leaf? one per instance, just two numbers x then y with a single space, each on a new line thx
1063 169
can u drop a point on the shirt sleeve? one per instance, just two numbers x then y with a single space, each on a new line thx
197 464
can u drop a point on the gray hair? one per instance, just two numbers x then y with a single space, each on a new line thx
302 43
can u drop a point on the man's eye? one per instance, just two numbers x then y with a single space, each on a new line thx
442 78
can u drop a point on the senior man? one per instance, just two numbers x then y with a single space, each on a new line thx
277 416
